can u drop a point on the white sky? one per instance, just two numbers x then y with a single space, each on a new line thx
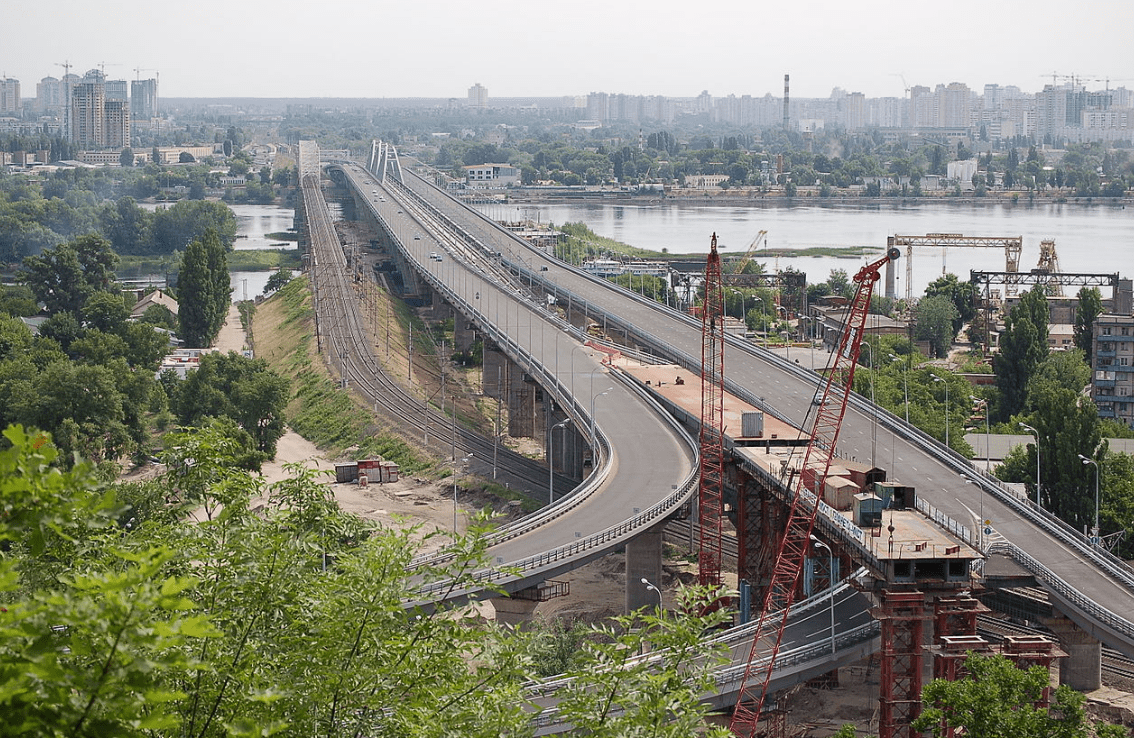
439 48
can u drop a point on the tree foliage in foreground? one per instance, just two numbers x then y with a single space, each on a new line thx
124 616
997 700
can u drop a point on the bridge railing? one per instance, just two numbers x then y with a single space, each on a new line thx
1065 591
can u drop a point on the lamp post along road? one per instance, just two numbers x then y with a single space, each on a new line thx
1035 432
873 409
650 587
594 438
551 460
830 582
1095 531
905 386
465 460
987 433
942 381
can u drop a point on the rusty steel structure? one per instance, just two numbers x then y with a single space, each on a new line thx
711 496
831 402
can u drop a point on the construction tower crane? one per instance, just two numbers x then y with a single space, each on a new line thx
711 495
752 248
1013 246
832 399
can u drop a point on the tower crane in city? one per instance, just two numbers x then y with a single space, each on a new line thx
742 263
831 405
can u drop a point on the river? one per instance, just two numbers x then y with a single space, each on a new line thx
253 224
1088 238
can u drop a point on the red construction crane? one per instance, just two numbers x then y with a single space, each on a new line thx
832 404
712 421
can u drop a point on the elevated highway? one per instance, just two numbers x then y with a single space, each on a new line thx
474 252
646 463
1093 588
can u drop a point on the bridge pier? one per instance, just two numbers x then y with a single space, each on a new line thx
1082 669
565 451
514 612
644 561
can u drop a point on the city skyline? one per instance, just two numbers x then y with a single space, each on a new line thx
294 49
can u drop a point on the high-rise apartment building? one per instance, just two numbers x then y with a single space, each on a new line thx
954 105
143 99
116 90
97 122
116 124
49 95
478 96
9 96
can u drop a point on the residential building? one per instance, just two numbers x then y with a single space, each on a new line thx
116 90
143 99
478 96
9 96
88 99
1112 380
49 94
98 122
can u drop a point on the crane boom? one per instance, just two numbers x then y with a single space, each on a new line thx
711 493
805 504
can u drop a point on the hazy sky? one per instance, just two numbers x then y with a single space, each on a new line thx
439 48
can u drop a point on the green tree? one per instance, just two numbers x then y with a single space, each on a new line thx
935 318
1089 308
277 281
189 220
126 158
1023 345
203 291
236 387
65 277
142 623
997 700
961 294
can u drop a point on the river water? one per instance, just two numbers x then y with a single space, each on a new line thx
1088 238
253 224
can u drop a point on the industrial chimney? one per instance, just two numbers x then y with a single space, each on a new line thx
785 102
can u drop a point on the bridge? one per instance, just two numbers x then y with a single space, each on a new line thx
479 272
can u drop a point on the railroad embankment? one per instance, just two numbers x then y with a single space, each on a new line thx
283 334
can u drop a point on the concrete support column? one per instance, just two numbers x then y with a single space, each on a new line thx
494 371
464 333
441 309
515 613
521 406
1082 669
643 560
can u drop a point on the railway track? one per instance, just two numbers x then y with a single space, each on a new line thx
347 342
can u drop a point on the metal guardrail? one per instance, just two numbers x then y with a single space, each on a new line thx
1065 591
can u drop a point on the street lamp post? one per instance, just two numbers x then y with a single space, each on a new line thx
763 319
551 460
1095 532
831 581
873 409
905 385
650 587
1035 432
987 434
463 461
594 438
942 381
